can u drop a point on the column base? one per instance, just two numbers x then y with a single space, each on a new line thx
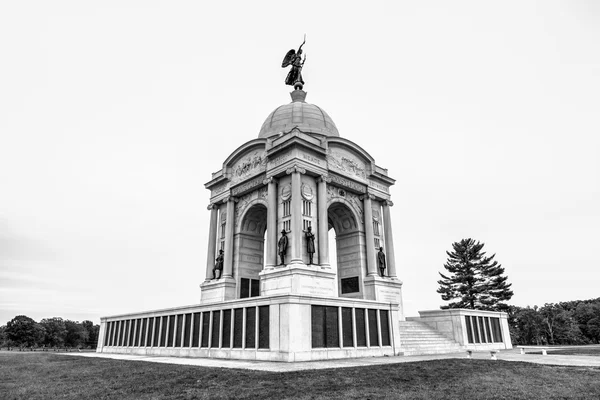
217 290
297 279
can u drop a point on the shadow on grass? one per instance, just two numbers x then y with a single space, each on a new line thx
46 376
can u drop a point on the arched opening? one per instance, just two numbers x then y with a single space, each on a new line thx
249 242
346 250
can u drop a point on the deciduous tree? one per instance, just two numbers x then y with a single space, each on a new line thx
55 331
24 331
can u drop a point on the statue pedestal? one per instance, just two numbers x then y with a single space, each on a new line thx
217 290
298 279
384 289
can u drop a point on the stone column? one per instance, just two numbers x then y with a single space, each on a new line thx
296 210
389 240
369 236
271 260
229 223
323 221
212 241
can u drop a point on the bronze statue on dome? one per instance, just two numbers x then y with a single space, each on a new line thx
294 58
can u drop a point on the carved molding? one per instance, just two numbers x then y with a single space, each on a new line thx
295 168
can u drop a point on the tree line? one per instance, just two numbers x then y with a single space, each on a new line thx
564 323
25 332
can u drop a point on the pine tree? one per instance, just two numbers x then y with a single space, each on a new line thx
475 281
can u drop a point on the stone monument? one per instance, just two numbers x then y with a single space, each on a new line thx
271 291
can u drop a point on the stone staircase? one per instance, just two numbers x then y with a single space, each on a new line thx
419 338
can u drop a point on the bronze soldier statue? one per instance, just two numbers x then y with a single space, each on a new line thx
381 261
310 244
282 246
218 265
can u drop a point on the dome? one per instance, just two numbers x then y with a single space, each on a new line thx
307 117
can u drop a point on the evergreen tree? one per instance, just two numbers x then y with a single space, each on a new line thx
474 280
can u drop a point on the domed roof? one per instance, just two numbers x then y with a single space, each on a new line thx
307 117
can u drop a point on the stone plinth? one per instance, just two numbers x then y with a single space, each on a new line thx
384 289
477 335
217 290
285 328
298 279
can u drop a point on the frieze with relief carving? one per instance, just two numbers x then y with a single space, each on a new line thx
347 163
249 165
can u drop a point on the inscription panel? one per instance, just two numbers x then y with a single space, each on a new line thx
350 285
244 187
379 186
347 183
279 160
311 159
217 190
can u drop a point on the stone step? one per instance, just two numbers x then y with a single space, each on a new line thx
419 338
414 329
423 335
427 345
423 352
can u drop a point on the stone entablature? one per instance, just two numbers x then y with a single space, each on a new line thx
344 161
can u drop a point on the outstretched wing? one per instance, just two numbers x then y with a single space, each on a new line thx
287 60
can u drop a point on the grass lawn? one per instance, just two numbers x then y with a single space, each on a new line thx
575 351
48 376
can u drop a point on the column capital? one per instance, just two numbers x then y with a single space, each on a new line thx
295 168
268 180
367 196
230 198
325 178
388 203
211 206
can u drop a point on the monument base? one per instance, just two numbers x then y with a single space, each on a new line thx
298 279
384 289
217 290
287 328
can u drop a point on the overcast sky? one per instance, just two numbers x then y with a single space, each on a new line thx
113 115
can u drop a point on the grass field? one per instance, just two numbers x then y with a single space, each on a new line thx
48 376
575 351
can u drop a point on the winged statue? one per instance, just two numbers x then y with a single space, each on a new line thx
294 58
